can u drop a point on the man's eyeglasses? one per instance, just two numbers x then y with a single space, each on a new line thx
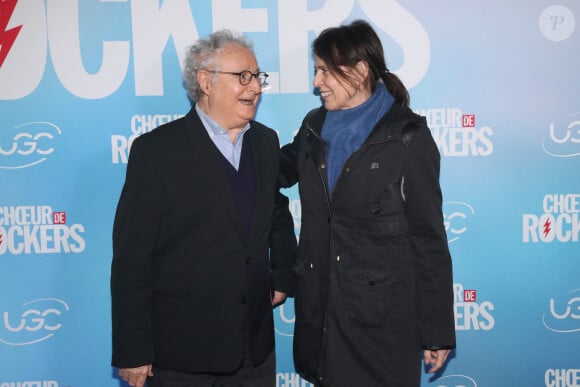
246 76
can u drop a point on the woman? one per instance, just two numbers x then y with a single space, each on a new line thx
374 289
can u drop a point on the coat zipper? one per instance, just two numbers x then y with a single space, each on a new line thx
325 295
329 258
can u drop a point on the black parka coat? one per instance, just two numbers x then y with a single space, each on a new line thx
374 277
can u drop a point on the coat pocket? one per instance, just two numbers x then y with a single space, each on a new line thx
371 294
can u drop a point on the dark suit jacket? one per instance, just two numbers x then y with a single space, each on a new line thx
188 285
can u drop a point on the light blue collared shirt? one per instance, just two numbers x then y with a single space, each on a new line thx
219 136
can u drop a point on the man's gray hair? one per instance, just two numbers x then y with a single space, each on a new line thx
202 55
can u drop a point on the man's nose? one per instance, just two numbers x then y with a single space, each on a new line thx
255 85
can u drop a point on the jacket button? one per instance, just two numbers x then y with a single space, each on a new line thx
347 169
322 166
338 258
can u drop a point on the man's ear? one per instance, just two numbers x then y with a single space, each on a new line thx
204 80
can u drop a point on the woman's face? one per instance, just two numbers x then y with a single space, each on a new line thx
336 93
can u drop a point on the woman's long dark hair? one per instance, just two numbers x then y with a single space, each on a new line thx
348 44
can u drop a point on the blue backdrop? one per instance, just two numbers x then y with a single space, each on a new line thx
498 83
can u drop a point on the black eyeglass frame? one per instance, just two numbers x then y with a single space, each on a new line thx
243 76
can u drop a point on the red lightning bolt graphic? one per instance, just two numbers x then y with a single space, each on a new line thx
547 228
1 239
7 37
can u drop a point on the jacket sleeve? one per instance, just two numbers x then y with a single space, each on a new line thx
432 261
134 236
282 240
282 247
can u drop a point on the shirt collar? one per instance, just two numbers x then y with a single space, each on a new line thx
212 127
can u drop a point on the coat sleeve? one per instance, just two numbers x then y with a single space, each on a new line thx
291 153
432 261
289 162
135 232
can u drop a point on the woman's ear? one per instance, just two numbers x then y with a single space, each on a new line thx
361 71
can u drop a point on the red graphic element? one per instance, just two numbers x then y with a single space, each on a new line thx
1 236
470 295
7 37
468 120
547 227
59 217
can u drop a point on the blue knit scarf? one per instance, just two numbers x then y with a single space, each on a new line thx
344 131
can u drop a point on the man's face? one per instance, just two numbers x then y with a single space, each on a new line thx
230 103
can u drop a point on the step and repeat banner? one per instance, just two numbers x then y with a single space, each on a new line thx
499 83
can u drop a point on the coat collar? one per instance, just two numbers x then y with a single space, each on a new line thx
388 128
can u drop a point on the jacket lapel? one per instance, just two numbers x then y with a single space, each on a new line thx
208 157
261 162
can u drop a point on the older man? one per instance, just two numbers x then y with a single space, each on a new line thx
203 242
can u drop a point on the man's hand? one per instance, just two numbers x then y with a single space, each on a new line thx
136 376
436 358
278 298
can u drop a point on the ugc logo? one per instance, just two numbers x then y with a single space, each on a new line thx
35 321
284 318
455 381
456 217
563 139
27 144
564 314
